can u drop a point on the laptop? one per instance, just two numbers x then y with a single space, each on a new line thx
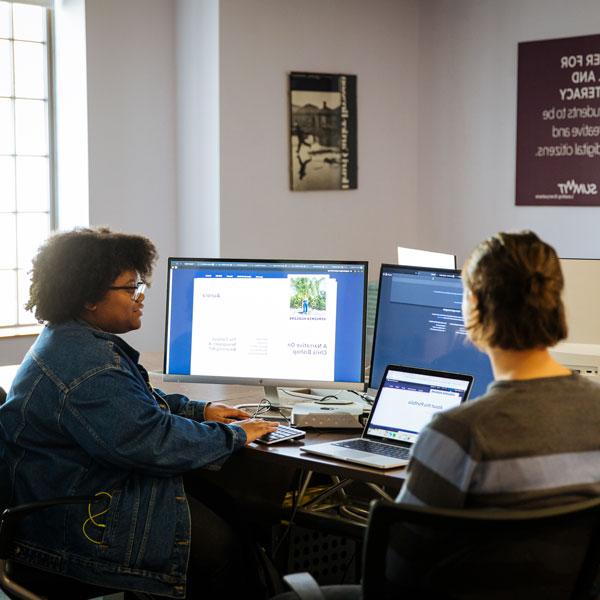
405 402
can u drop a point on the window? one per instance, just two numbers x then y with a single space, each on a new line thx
26 215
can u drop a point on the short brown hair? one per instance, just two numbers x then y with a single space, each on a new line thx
517 283
77 267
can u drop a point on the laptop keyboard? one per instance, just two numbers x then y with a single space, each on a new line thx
375 448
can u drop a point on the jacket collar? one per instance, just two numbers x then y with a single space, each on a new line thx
131 352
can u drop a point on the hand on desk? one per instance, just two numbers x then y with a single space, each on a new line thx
256 428
223 413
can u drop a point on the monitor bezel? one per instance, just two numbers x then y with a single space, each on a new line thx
266 382
377 311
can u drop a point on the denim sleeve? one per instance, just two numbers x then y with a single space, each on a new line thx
183 406
113 416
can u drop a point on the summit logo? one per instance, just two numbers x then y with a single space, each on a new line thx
572 188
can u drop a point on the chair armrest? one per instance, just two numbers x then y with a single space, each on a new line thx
11 516
304 585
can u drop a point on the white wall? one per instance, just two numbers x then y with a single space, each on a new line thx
198 127
467 116
436 119
131 79
12 350
131 127
261 41
70 93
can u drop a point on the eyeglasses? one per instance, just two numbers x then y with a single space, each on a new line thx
135 290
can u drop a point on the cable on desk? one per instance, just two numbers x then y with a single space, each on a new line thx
265 406
259 407
321 399
299 395
327 400
364 396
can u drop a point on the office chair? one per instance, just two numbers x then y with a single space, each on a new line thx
13 587
16 590
542 553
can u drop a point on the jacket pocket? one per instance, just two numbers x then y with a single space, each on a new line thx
101 520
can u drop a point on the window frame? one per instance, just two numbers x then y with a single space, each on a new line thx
18 329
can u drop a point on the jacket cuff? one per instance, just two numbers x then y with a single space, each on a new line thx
239 436
194 409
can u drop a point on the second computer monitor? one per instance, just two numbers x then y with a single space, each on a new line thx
580 298
419 324
266 322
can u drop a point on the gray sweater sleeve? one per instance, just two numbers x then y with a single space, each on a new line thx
442 465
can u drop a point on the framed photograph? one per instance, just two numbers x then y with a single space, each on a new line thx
323 149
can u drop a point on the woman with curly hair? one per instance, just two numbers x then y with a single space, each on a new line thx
82 419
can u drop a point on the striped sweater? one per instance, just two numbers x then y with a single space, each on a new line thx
524 444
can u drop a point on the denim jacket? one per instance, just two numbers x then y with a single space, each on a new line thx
81 419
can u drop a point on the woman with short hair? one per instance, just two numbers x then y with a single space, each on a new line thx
531 441
81 419
527 441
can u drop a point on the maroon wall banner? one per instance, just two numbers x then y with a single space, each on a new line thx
558 122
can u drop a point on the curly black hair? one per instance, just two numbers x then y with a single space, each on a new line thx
77 267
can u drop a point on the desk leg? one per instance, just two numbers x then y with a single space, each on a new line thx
328 492
379 490
346 506
304 487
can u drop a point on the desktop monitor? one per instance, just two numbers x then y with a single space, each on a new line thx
426 258
266 322
419 324
580 297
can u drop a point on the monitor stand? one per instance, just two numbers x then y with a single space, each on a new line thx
272 395
288 398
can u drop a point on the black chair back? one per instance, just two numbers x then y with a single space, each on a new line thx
9 519
413 551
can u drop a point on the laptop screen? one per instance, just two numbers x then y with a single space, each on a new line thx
408 398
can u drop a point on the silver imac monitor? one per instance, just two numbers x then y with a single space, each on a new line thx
272 323
426 258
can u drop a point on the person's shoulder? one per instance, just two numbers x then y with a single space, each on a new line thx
73 333
584 383
578 388
71 349
460 420
504 396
